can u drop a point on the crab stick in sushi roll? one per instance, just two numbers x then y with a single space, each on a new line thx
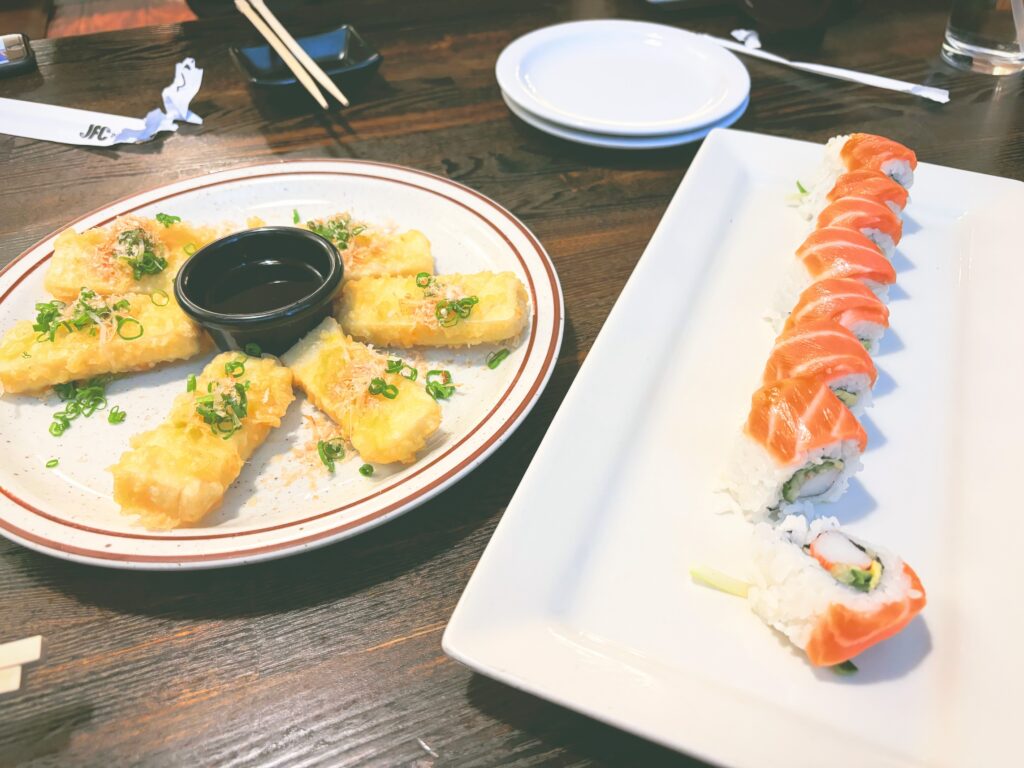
831 594
800 444
873 219
866 151
837 252
825 351
847 302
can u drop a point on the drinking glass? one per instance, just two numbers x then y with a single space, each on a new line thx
986 36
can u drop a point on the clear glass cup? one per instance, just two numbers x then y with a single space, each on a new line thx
986 36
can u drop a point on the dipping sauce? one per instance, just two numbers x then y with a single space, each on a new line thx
266 286
262 286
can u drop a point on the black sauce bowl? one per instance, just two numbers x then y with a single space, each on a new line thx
267 286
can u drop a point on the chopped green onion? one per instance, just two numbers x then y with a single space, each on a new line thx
235 368
163 295
167 220
393 366
440 391
390 391
408 372
799 186
82 399
138 250
377 385
253 350
330 451
423 280
52 463
448 313
845 668
189 249
494 359
123 321
443 377
366 470
190 386
338 230
116 415
225 417
295 216
709 577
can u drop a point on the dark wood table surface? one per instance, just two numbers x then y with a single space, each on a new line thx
334 657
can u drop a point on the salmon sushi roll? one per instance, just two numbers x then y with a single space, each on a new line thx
825 351
837 252
873 185
847 302
873 219
831 594
866 151
800 444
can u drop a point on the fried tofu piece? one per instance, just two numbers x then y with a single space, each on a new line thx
175 474
135 337
112 260
369 252
335 373
451 311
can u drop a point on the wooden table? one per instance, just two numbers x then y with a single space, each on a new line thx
334 657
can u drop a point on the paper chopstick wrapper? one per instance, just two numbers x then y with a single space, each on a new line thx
98 129
15 655
751 46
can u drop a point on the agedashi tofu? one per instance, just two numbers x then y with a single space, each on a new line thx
434 311
338 376
176 474
368 252
94 335
132 254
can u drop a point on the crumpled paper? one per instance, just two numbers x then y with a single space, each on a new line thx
47 122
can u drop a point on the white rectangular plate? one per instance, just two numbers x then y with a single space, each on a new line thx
583 595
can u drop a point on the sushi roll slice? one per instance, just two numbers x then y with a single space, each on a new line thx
800 444
871 184
860 151
825 351
831 594
836 252
871 218
847 302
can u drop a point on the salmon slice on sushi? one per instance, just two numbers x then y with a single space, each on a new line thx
825 351
873 219
838 253
831 594
870 184
847 302
800 444
866 151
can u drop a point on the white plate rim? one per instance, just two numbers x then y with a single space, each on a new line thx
500 422
507 66
607 141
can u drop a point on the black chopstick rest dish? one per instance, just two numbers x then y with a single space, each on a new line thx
342 53
266 286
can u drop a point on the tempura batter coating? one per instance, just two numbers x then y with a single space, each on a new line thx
102 258
177 473
29 363
396 311
335 373
370 252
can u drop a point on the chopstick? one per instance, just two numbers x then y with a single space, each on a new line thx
15 655
300 53
282 50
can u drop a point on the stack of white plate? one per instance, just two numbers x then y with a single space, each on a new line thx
622 84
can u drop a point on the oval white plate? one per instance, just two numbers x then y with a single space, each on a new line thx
284 501
620 142
628 78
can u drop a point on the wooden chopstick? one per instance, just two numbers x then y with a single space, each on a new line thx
282 51
299 52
